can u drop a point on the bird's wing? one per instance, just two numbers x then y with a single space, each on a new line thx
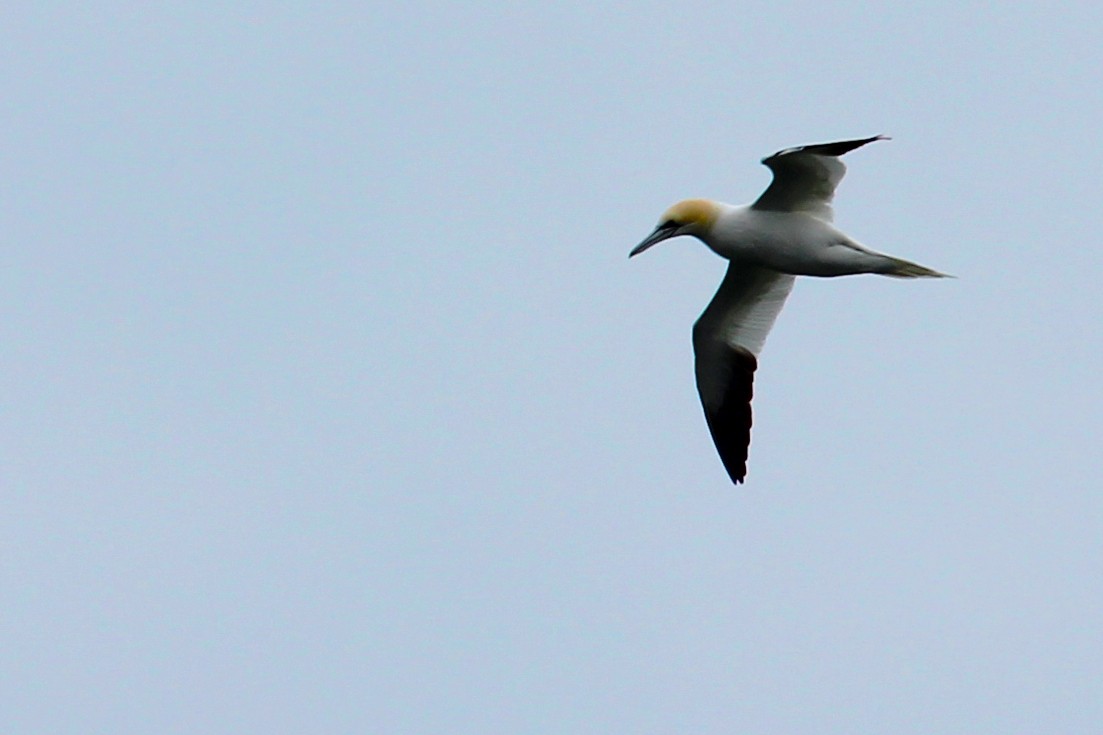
726 342
805 178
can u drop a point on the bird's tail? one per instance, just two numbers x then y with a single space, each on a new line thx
899 268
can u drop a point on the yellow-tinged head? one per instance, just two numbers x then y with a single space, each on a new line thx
699 212
688 217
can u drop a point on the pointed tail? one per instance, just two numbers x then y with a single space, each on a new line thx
900 268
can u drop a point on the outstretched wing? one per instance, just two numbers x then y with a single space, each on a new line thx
805 178
726 342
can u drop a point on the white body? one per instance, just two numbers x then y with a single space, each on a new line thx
796 243
786 233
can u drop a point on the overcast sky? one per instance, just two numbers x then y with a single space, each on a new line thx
332 403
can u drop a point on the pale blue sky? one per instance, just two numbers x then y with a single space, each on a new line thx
333 404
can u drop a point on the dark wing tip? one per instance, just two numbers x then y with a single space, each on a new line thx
837 148
730 420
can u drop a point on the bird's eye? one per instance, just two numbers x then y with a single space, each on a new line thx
669 225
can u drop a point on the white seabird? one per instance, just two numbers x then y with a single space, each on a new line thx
786 233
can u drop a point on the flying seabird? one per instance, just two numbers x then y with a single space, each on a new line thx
786 233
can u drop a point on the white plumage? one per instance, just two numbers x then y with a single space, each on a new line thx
786 233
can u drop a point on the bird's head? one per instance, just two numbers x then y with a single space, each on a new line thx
689 217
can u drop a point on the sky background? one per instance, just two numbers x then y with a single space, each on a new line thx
332 403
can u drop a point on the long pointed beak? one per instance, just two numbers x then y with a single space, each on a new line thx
661 233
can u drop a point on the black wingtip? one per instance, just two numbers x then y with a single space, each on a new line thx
834 149
730 421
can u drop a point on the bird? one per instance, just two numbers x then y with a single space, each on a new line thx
785 233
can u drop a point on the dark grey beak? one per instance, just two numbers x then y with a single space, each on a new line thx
662 232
